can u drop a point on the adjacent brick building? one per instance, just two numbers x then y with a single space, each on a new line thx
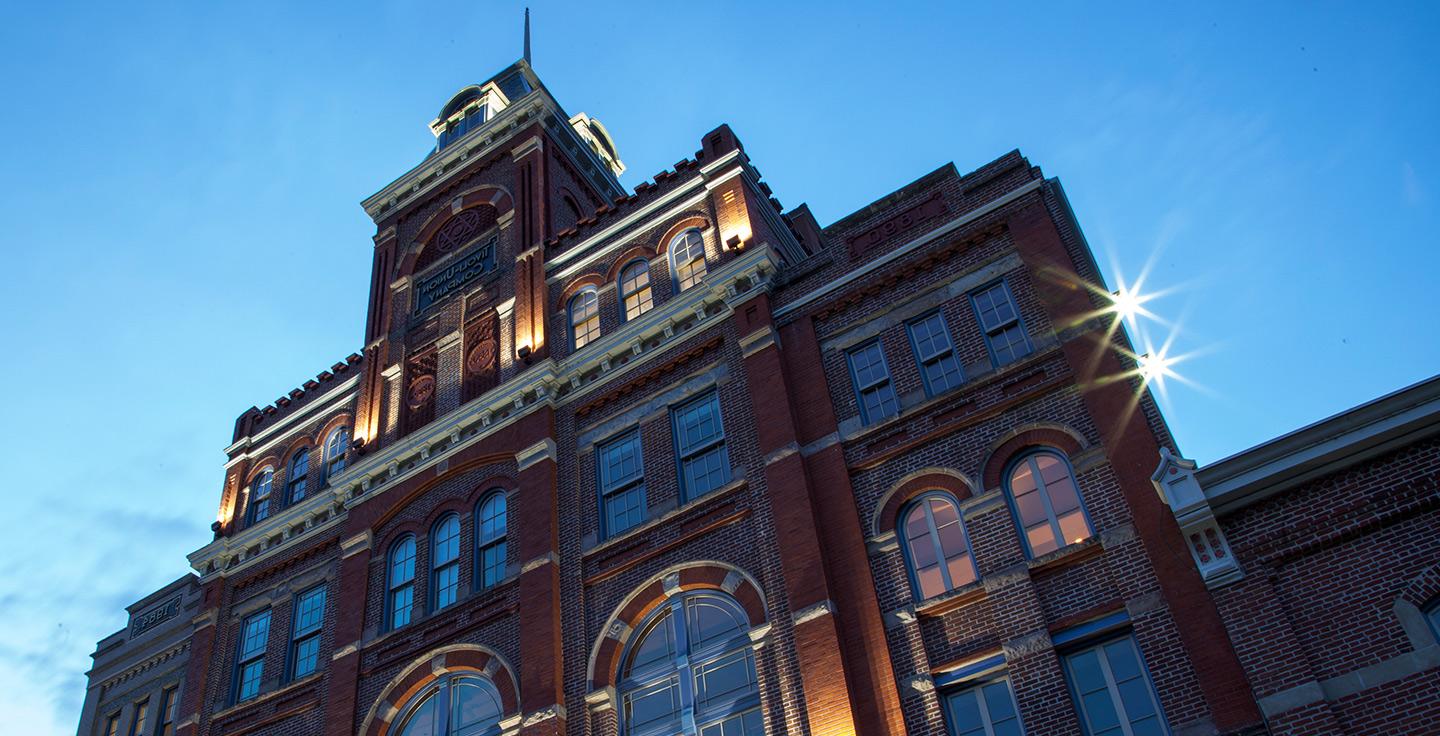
680 460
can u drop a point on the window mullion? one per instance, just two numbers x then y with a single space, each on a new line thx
1044 490
1113 690
935 543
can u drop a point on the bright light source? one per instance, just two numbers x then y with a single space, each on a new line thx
1155 368
1126 303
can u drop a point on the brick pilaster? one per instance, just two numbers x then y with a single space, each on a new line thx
537 512
341 696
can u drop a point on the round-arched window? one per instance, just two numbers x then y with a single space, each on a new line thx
1047 502
935 545
585 317
454 705
635 298
687 259
337 445
691 670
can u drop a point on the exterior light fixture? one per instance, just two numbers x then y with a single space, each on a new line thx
524 353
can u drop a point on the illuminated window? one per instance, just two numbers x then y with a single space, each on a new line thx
984 708
700 446
445 562
871 377
299 469
939 366
490 553
1112 691
250 667
400 582
635 297
1000 321
585 317
621 483
1047 502
305 635
936 546
260 495
137 721
691 670
454 705
168 702
687 259
112 725
337 445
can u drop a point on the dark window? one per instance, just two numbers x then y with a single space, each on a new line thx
445 562
687 259
935 546
635 298
305 639
254 635
168 703
983 709
1112 691
872 382
490 528
337 445
299 469
454 705
260 495
137 721
1000 321
400 582
622 483
939 366
585 317
692 666
1432 614
700 446
1047 502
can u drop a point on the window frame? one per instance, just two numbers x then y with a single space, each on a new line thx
500 540
392 586
988 333
683 455
887 382
299 638
440 689
591 336
637 482
948 352
920 503
267 474
437 567
244 658
1054 521
1098 644
676 280
342 434
977 685
139 716
646 300
169 702
300 459
112 724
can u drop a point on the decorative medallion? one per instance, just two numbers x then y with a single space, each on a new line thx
460 229
482 357
421 389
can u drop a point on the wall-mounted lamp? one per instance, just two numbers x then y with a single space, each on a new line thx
524 353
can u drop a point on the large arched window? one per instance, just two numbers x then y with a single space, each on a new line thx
635 298
1047 502
490 541
691 670
445 562
935 546
337 446
299 471
687 259
260 495
400 582
454 705
585 317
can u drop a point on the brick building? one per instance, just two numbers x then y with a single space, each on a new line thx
679 460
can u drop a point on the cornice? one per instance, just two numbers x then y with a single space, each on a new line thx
326 400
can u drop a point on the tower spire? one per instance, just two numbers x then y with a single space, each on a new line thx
527 35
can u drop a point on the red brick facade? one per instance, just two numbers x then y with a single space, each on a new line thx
470 384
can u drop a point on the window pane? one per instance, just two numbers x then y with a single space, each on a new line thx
931 584
922 549
653 706
492 518
706 472
965 716
962 570
724 679
422 720
257 631
585 317
625 509
492 565
1001 704
309 611
635 288
1063 495
657 646
250 679
1021 479
476 701
1124 665
1041 539
620 461
401 602
1031 508
711 622
446 547
447 585
879 402
307 652
1074 527
1009 345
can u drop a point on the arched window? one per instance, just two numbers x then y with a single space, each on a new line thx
454 705
445 562
585 317
635 297
337 445
1047 502
936 547
691 670
687 259
490 541
299 469
260 495
400 582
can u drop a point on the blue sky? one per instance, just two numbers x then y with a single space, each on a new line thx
183 237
